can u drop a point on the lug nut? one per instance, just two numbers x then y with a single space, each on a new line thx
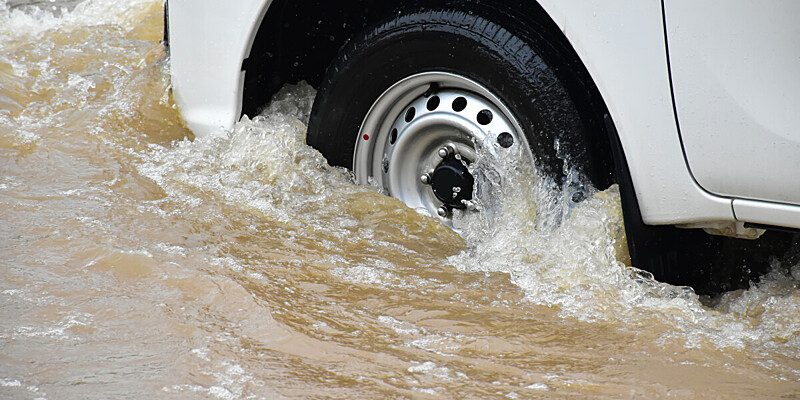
445 151
425 179
442 212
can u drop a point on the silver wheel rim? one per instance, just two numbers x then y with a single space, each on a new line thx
404 137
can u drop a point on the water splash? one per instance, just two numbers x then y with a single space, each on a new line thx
247 267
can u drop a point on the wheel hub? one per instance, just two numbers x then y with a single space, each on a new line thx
452 183
421 139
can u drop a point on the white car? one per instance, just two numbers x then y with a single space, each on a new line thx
691 106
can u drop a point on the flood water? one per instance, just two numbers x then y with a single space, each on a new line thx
139 262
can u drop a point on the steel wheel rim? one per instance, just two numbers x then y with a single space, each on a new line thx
399 144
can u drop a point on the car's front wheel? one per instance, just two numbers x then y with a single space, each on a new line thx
412 104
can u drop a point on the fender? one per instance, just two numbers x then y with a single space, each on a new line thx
208 41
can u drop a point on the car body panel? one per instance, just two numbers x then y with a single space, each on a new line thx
767 214
736 75
208 41
621 43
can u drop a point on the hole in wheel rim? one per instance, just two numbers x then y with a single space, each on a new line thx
485 117
505 140
410 114
433 103
459 104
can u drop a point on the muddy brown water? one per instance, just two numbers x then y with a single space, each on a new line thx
139 262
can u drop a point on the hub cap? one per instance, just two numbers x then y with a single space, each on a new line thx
421 140
452 183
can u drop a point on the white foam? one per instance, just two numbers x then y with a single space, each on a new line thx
34 20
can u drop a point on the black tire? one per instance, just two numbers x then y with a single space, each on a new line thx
454 41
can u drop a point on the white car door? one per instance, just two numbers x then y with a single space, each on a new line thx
735 69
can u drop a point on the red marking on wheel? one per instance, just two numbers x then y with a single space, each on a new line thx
366 137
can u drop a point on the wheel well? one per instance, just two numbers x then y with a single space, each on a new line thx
298 40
